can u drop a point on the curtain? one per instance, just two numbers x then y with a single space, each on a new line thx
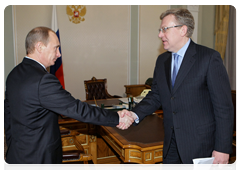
221 28
230 55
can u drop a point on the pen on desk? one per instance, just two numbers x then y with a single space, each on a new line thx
95 101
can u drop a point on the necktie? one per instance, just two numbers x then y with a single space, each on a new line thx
175 69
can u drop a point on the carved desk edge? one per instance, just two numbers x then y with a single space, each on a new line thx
132 152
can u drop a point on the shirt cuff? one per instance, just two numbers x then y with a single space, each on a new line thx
137 119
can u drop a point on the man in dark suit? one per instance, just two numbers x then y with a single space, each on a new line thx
33 100
191 84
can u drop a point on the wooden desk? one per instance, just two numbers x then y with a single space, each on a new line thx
107 102
135 90
134 145
138 144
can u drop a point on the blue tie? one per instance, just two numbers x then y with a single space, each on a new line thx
175 69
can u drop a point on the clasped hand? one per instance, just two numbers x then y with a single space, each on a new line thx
126 118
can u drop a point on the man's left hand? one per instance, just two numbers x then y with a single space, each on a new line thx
220 158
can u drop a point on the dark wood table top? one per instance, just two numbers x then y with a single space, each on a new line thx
107 102
149 132
138 144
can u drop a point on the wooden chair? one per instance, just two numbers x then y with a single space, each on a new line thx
73 151
136 89
97 89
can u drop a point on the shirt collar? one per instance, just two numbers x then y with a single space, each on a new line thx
183 50
36 61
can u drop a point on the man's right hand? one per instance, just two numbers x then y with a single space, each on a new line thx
126 118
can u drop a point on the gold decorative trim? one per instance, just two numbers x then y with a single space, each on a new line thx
113 143
134 157
68 146
149 156
160 150
123 152
76 13
92 138
106 157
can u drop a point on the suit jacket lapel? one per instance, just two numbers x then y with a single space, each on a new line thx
167 65
186 65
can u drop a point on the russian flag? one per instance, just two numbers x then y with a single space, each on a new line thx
57 69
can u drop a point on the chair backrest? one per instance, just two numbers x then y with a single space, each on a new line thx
96 88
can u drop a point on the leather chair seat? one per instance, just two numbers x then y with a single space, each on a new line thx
71 155
64 132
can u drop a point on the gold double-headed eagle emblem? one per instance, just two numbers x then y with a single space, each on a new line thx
76 13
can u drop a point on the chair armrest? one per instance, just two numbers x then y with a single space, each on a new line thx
75 155
78 144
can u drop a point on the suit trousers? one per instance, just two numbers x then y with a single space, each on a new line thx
172 156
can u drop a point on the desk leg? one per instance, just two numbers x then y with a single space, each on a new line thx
132 166
105 154
93 146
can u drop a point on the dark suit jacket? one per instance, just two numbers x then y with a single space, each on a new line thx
199 108
33 100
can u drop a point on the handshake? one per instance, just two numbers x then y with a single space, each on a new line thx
126 118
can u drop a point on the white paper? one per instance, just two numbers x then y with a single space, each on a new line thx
135 99
123 106
203 163
124 99
138 99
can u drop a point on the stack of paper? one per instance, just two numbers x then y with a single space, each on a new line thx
203 160
124 99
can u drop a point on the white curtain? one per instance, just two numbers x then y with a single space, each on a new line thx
230 55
